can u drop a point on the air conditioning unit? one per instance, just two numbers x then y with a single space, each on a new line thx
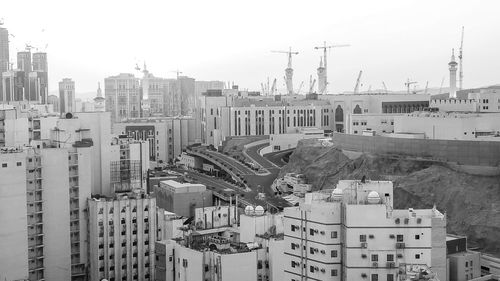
419 220
400 256
363 256
364 245
391 264
322 232
323 270
316 268
392 236
375 264
315 231
323 252
371 236
363 275
407 220
397 221
400 245
315 250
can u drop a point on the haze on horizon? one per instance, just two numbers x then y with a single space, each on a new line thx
231 40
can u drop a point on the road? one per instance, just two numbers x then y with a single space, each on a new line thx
237 166
277 157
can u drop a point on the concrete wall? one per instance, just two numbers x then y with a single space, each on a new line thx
478 153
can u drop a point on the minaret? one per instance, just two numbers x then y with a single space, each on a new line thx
321 77
453 75
289 74
99 100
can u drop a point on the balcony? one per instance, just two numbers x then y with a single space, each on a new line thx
74 228
35 219
77 269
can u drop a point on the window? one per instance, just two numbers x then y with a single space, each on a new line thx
19 164
311 232
374 277
292 227
471 263
311 268
334 253
390 277
390 257
4 165
417 256
466 264
311 251
184 263
417 237
334 234
399 238
375 257
334 272
362 238
293 264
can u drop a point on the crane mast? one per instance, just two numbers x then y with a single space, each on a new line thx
322 85
356 87
461 73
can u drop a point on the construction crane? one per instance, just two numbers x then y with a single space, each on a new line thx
356 87
325 47
177 72
441 87
385 87
408 83
288 70
426 87
273 87
300 87
311 84
460 55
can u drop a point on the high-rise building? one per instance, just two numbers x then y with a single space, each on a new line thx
67 102
13 82
353 233
123 96
41 86
46 188
122 235
4 55
186 96
54 100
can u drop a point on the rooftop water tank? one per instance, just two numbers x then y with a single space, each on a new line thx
337 194
373 197
259 211
249 210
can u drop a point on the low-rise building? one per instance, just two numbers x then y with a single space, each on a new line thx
280 142
353 233
182 198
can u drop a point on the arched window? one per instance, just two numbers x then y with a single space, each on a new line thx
357 110
339 114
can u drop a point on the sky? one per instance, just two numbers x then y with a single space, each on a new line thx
391 41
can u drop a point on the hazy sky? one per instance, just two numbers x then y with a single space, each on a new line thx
231 40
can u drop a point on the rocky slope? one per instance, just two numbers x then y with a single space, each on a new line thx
472 203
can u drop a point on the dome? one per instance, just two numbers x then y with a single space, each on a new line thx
259 211
337 194
373 197
249 210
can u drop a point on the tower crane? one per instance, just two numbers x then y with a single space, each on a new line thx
325 47
460 55
385 87
273 87
311 85
408 83
300 87
426 87
356 87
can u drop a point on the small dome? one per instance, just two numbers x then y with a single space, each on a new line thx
249 210
259 210
373 197
337 194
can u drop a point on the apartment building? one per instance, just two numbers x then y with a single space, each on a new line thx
47 234
167 136
122 235
123 96
353 233
67 99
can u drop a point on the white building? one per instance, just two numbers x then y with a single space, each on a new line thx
182 198
353 233
122 235
167 136
280 142
44 199
450 125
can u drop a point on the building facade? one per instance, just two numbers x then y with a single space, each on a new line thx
122 235
123 96
353 233
4 56
67 100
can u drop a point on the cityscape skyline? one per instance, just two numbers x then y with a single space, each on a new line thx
243 51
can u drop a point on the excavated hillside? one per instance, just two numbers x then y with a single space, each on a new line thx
472 203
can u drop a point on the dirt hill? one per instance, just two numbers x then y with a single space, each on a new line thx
472 203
